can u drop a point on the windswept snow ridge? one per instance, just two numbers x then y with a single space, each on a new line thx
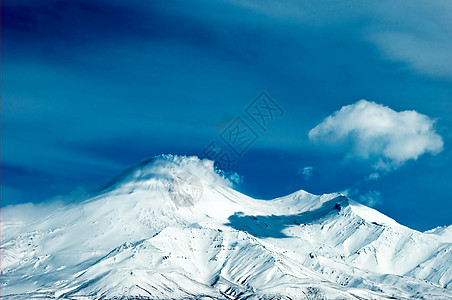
173 228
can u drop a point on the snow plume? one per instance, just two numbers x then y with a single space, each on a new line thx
165 168
372 131
371 198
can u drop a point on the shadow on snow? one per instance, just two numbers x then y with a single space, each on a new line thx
272 226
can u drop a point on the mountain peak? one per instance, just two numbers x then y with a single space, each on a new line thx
167 168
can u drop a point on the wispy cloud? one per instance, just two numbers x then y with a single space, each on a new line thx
416 33
373 176
418 52
375 132
306 172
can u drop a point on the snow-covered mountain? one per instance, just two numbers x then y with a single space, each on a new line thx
173 228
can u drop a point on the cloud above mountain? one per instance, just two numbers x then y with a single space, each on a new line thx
379 134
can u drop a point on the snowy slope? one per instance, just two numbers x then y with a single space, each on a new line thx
172 228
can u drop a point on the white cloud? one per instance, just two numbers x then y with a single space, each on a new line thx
375 132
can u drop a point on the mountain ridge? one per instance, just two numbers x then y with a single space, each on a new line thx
173 227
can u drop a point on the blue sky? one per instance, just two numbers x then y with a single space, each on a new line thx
89 88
